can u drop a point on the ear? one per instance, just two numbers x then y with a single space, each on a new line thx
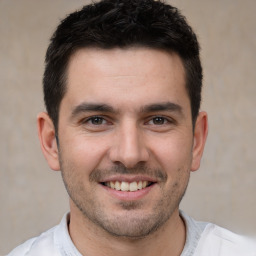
46 134
200 135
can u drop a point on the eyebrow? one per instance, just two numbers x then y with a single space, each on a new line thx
92 107
165 106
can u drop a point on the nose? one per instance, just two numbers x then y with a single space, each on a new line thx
129 146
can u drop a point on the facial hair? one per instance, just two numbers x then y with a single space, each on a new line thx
130 220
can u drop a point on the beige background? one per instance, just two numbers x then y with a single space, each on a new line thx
32 197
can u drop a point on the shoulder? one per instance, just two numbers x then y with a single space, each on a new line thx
37 246
204 238
219 241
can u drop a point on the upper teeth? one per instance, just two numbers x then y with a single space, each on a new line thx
126 186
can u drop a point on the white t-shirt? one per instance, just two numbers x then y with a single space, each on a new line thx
202 239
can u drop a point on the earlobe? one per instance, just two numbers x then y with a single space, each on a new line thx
200 135
46 134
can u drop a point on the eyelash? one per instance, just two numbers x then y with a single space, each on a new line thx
104 121
164 120
93 118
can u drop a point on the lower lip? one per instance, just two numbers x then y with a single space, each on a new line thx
128 195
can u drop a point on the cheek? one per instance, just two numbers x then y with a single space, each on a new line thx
173 153
175 158
83 152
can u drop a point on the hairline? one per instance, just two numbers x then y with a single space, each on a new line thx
64 79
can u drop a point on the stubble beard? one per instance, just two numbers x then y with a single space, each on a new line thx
132 223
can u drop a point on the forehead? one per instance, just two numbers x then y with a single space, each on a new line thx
120 76
116 61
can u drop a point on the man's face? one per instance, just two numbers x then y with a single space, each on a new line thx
125 138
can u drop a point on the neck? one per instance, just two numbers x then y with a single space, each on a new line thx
91 240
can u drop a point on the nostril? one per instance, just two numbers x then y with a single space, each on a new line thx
129 149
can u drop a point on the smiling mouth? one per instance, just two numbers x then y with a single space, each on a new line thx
127 186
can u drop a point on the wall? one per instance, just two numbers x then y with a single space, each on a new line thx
33 198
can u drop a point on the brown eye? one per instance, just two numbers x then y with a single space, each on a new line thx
159 120
96 120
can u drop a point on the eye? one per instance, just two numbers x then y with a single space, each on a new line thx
96 123
158 120
96 120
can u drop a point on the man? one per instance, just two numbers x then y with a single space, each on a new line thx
122 89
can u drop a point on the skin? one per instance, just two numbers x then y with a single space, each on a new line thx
126 116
